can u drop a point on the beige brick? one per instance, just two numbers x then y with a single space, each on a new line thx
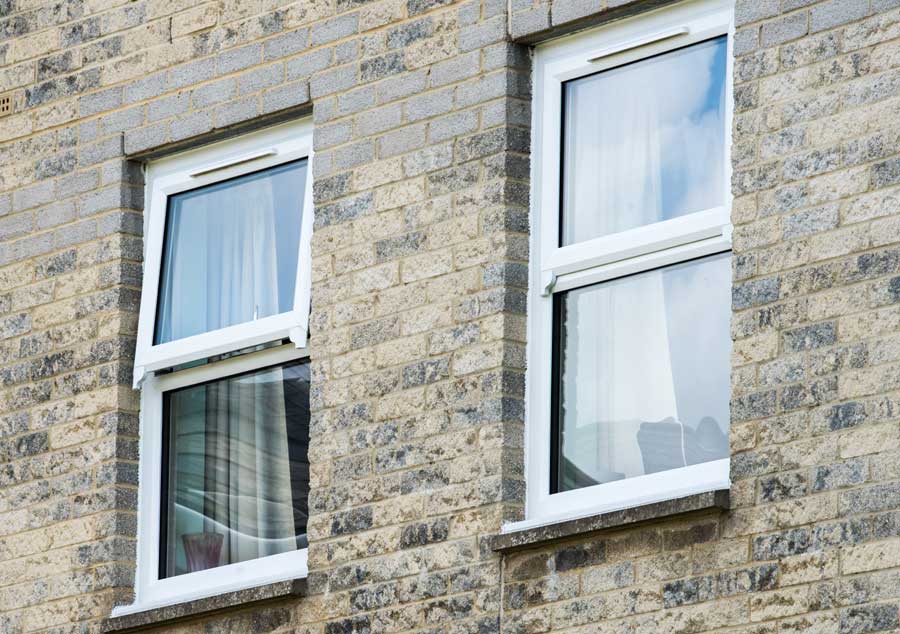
779 603
195 19
866 557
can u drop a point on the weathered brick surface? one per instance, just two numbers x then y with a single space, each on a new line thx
811 543
421 111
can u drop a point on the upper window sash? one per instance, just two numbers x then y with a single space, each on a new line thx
633 40
206 166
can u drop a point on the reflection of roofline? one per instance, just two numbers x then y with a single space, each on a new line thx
222 529
582 479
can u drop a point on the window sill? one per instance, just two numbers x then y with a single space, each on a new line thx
167 615
711 501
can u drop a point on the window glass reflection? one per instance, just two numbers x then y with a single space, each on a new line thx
644 142
231 252
644 374
238 474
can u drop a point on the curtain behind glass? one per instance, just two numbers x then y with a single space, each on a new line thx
644 142
238 469
231 252
645 373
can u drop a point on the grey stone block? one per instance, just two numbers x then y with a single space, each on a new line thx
345 210
482 34
110 197
839 475
380 67
120 222
55 165
286 45
373 121
123 171
346 52
61 87
141 139
213 93
812 221
415 7
827 15
526 23
103 150
746 40
747 12
334 29
452 125
790 27
306 65
237 111
55 214
145 88
237 59
34 195
348 156
261 78
168 106
334 134
430 104
100 101
122 120
53 65
189 126
403 140
16 225
456 69
75 233
563 11
428 159
791 542
191 73
401 86
405 34
332 81
77 183
285 96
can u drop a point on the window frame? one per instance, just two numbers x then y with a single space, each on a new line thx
204 166
554 268
151 591
189 170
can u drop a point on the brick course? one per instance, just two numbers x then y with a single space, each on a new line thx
422 116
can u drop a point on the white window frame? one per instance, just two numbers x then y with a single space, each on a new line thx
555 269
190 170
150 591
204 166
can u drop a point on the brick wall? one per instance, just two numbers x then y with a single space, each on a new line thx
812 543
421 111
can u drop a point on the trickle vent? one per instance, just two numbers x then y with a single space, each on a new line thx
5 105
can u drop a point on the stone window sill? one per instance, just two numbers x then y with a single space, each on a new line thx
711 501
170 614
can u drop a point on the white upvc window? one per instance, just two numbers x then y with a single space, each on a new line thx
629 309
222 366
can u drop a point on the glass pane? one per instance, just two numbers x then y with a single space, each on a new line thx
644 142
237 473
231 252
644 373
